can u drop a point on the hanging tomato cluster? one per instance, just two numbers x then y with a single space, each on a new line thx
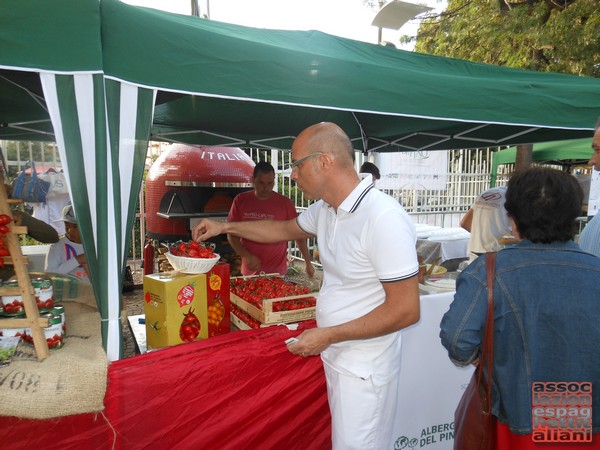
192 249
256 290
5 219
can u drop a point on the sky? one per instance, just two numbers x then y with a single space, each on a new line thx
345 18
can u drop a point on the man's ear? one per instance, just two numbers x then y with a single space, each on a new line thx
326 160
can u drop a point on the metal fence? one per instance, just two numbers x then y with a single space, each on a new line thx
468 174
16 154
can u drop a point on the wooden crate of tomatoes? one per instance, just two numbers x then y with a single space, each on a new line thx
242 320
270 299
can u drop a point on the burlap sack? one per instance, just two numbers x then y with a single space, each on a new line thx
72 380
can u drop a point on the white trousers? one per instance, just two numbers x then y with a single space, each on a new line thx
362 414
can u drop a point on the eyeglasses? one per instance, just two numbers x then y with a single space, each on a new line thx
301 161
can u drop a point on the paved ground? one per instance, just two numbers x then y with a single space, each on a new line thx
134 304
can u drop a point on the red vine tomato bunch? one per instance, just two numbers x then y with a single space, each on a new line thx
192 249
4 221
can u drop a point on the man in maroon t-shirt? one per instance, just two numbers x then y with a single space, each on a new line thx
263 203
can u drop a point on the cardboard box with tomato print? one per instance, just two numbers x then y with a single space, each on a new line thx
185 308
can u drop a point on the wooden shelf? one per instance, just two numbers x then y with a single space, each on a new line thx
8 260
32 319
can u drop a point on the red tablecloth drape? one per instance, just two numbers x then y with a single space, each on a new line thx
243 390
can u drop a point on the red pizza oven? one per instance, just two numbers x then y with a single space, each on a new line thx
188 182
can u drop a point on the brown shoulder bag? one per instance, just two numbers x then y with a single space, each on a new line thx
474 424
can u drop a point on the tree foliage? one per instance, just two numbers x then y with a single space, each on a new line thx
542 35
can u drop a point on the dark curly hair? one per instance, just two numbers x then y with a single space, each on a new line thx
544 204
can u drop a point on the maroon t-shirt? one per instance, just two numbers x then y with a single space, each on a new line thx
246 206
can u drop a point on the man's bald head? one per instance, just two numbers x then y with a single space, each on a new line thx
329 138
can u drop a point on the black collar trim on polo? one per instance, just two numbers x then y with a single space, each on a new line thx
360 198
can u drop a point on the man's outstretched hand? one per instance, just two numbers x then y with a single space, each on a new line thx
206 228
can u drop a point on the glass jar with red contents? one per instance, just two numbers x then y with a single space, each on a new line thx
11 305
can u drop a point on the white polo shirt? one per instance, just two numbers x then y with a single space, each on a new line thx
370 240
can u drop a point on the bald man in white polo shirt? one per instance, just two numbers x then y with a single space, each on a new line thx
367 245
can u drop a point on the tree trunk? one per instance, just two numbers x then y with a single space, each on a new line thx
523 157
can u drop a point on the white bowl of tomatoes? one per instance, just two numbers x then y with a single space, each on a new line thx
192 257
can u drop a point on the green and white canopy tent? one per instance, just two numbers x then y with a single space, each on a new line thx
102 78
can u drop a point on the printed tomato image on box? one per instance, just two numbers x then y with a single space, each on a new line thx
185 308
218 306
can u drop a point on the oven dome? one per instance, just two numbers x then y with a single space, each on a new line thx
185 178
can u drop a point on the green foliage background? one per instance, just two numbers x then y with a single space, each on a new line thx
542 35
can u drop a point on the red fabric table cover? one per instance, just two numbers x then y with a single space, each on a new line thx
240 390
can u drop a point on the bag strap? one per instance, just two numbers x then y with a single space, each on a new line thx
487 350
34 175
18 183
33 170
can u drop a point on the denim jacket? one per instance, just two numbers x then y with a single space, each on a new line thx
546 324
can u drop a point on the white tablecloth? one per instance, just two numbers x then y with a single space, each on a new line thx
424 230
454 243
430 385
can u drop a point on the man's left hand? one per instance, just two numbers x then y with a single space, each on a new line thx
310 342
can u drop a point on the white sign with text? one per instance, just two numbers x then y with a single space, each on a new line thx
413 170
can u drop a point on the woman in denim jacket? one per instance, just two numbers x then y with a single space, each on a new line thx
546 307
